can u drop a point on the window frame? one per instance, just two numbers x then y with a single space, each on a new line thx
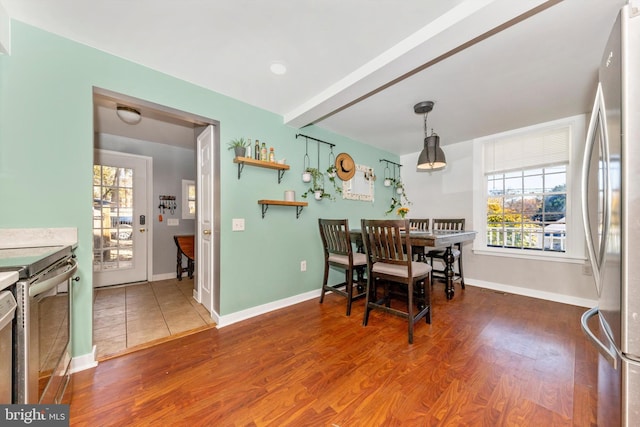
575 245
186 183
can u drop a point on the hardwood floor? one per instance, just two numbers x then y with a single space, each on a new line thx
487 359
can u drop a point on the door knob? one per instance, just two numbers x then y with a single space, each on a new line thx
142 230
206 232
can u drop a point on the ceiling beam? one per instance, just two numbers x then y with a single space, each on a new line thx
461 27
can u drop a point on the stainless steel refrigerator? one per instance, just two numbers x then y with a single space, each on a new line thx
611 214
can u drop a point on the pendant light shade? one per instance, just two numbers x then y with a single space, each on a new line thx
128 115
432 157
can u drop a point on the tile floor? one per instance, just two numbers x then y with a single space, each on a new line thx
126 317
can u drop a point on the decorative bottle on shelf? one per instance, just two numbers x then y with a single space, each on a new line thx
263 152
247 152
272 155
256 152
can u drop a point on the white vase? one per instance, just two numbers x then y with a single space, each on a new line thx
306 177
387 182
399 190
290 196
317 195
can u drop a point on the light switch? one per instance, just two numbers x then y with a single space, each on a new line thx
173 221
237 224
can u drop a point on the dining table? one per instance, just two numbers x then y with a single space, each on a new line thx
435 239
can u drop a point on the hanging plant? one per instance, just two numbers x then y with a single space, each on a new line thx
331 174
387 179
317 185
400 198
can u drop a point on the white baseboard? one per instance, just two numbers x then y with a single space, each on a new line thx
238 316
549 296
86 361
163 276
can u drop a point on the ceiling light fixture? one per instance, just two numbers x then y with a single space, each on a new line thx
432 157
128 115
278 68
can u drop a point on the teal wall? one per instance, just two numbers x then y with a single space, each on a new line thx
46 157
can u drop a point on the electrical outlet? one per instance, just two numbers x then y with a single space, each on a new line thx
303 265
173 222
237 224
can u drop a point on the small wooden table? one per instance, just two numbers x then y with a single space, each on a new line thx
185 244
435 239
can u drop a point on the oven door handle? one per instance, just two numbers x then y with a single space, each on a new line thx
45 285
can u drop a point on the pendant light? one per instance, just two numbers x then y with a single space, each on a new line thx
432 157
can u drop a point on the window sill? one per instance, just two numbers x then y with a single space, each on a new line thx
538 256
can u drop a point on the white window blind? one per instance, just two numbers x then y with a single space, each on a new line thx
526 151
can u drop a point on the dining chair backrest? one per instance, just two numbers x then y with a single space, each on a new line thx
448 224
335 236
385 242
338 252
420 224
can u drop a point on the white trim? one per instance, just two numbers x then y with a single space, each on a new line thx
163 276
575 246
85 361
185 199
527 292
238 316
530 254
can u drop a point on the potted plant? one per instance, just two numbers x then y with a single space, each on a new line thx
239 145
317 185
400 199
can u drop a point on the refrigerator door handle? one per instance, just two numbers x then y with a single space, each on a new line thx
609 353
596 124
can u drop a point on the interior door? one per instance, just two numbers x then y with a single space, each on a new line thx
205 221
120 218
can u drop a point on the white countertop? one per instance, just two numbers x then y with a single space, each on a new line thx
35 237
8 278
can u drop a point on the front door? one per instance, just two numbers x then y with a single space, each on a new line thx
121 223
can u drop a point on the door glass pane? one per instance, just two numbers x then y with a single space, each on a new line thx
112 218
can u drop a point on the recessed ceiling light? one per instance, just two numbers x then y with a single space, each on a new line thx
278 68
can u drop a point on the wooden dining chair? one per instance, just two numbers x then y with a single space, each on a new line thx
389 262
456 250
338 253
419 224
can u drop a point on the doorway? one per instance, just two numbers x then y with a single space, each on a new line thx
169 129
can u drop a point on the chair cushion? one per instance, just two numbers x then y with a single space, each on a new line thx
417 268
358 259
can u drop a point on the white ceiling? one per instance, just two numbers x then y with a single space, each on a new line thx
357 67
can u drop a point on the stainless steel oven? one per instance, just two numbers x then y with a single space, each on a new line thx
7 315
41 334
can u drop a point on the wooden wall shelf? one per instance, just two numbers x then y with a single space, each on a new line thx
241 161
265 205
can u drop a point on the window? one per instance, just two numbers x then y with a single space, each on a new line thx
523 206
527 209
188 199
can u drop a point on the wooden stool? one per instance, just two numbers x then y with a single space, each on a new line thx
185 247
